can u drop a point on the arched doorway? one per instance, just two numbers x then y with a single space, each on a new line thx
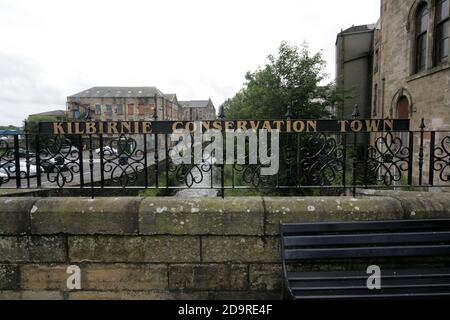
403 108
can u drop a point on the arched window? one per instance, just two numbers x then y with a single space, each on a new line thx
442 31
421 37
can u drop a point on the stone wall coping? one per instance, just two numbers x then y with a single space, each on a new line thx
249 216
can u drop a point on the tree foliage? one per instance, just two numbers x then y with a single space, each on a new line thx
32 122
291 78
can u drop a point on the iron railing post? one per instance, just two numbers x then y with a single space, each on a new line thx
355 116
27 154
410 160
38 161
102 161
289 157
81 159
432 158
421 151
222 173
145 162
17 161
91 165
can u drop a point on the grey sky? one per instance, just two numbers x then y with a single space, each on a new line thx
50 49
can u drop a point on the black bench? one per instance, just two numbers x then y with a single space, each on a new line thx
350 244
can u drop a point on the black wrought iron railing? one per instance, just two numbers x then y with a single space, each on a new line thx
315 157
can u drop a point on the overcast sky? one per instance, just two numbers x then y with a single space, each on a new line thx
50 49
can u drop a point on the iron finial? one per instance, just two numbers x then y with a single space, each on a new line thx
356 113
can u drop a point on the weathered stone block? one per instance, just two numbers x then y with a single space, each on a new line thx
42 277
97 277
121 295
266 277
32 249
242 295
9 277
85 216
208 277
208 216
166 295
320 209
42 295
15 215
240 249
10 295
157 249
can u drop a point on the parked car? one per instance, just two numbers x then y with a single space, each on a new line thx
51 165
22 153
68 149
3 176
107 151
10 170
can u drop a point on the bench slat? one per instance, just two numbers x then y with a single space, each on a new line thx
368 252
370 238
360 274
395 225
393 296
344 284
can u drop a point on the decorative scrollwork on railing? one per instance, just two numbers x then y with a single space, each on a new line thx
321 160
7 166
442 160
389 159
189 174
123 161
59 159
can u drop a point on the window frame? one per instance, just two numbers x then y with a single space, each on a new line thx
439 27
421 37
109 110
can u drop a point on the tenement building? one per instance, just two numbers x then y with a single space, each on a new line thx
123 104
198 110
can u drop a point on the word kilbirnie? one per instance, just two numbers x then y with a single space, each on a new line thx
145 127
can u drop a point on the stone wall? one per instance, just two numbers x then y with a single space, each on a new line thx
168 248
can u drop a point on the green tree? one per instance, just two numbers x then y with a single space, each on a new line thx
32 123
291 78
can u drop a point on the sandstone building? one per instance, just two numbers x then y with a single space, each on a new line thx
123 104
410 71
198 110
410 63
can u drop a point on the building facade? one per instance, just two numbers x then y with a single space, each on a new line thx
411 73
198 110
122 104
354 61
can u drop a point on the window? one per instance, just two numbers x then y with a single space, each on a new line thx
120 109
421 37
108 110
141 109
442 31
376 62
98 109
152 110
131 109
